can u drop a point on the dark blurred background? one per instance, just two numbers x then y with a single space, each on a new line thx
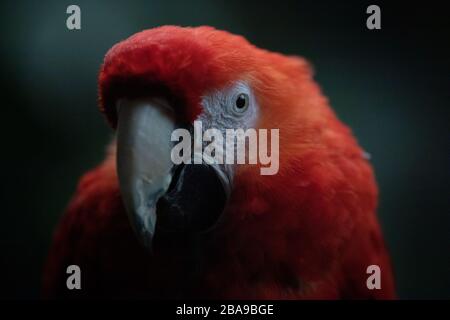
390 85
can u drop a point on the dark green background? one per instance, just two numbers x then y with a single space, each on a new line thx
391 86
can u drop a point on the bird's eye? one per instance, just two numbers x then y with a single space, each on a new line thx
241 103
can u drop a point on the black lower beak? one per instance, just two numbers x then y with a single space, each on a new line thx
194 201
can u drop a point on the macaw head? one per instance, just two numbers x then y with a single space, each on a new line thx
167 78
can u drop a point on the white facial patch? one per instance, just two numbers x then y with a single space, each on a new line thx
224 134
219 109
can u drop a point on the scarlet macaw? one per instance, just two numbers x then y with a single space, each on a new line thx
226 231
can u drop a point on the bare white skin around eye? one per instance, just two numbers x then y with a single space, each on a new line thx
220 112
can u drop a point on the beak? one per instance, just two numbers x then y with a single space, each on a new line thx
185 198
143 160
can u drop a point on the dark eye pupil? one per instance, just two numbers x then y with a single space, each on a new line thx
241 101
